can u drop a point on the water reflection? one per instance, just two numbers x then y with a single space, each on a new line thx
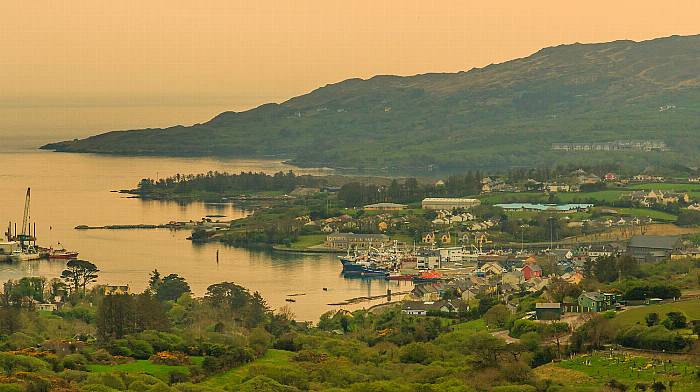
74 189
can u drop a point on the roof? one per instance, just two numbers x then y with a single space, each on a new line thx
654 241
548 305
593 295
428 305
451 200
386 205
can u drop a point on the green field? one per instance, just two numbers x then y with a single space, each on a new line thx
236 376
144 366
666 187
601 197
590 372
632 316
471 326
647 212
308 240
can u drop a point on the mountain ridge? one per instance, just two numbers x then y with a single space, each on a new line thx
497 116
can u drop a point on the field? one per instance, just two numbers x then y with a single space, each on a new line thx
648 213
144 366
236 376
308 240
632 316
666 187
601 197
590 372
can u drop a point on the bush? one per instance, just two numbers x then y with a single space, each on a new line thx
423 353
514 388
11 363
110 380
652 338
74 362
170 358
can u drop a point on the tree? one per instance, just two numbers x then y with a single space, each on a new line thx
658 386
115 317
172 287
78 274
675 320
497 316
154 281
651 319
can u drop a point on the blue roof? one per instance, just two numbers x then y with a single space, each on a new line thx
543 207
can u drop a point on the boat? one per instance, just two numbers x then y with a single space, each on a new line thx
400 276
25 254
427 277
359 266
62 254
290 300
7 249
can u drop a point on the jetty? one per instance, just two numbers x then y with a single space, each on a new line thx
170 225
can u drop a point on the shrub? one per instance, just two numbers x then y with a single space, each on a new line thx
110 380
74 362
170 358
12 364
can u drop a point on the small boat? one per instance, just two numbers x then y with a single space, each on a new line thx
400 276
290 300
26 254
62 254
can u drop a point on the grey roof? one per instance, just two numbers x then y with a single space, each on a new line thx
548 305
594 295
654 242
426 305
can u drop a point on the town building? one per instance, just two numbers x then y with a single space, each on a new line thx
116 289
385 207
548 311
346 241
531 271
453 254
653 248
595 301
448 203
428 259
421 308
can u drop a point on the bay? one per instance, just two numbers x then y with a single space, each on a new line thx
74 189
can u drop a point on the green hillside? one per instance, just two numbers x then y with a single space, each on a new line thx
498 116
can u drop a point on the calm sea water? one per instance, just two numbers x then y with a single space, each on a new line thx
74 189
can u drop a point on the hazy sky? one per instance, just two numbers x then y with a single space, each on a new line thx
78 66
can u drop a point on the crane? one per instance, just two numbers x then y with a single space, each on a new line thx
25 235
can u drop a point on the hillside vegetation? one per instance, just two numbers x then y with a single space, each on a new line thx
498 116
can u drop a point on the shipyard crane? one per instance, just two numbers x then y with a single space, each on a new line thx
25 234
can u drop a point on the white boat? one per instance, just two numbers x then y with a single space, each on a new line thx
7 249
29 253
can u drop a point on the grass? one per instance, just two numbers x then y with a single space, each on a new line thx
593 371
601 197
144 366
308 240
647 212
666 187
471 326
632 316
236 376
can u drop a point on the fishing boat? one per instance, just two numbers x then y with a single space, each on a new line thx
62 254
427 277
25 254
400 276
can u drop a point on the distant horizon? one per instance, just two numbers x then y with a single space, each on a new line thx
157 64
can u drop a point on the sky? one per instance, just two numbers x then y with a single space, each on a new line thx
71 68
